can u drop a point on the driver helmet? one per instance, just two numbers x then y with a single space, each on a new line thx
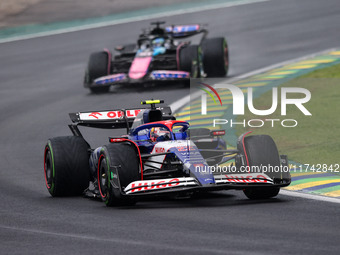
158 134
145 45
158 42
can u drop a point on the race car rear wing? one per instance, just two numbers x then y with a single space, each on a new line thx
110 119
183 31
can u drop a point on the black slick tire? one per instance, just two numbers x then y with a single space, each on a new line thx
66 166
118 167
98 66
261 151
190 60
215 57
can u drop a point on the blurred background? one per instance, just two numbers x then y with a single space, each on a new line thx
24 12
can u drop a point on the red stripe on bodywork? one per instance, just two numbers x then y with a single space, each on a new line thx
244 149
98 177
119 140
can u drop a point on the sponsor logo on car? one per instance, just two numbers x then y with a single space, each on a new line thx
182 29
109 79
107 115
94 115
150 185
243 178
169 75
160 150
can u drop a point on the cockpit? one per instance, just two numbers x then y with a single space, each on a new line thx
160 131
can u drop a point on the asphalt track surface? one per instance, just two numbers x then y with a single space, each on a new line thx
41 81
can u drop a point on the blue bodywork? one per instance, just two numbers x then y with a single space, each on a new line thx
189 154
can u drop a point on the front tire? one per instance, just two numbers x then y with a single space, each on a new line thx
215 57
261 150
261 193
98 66
118 167
190 60
66 166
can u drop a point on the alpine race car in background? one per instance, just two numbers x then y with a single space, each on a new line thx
156 157
160 54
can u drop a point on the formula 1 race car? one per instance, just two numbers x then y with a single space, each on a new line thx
160 54
158 157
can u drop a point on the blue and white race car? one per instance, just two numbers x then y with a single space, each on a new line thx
158 156
160 54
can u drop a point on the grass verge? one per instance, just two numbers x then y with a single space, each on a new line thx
316 139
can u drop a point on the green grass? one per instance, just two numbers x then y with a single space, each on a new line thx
316 139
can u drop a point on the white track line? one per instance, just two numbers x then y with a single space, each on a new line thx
132 19
177 105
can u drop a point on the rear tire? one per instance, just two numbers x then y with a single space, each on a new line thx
190 60
261 151
118 165
66 166
215 57
98 66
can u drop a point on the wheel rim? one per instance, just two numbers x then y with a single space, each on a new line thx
194 69
102 177
48 168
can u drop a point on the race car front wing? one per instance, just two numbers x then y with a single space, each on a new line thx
157 75
222 181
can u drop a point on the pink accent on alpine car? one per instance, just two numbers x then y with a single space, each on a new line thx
110 78
186 28
139 67
183 28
